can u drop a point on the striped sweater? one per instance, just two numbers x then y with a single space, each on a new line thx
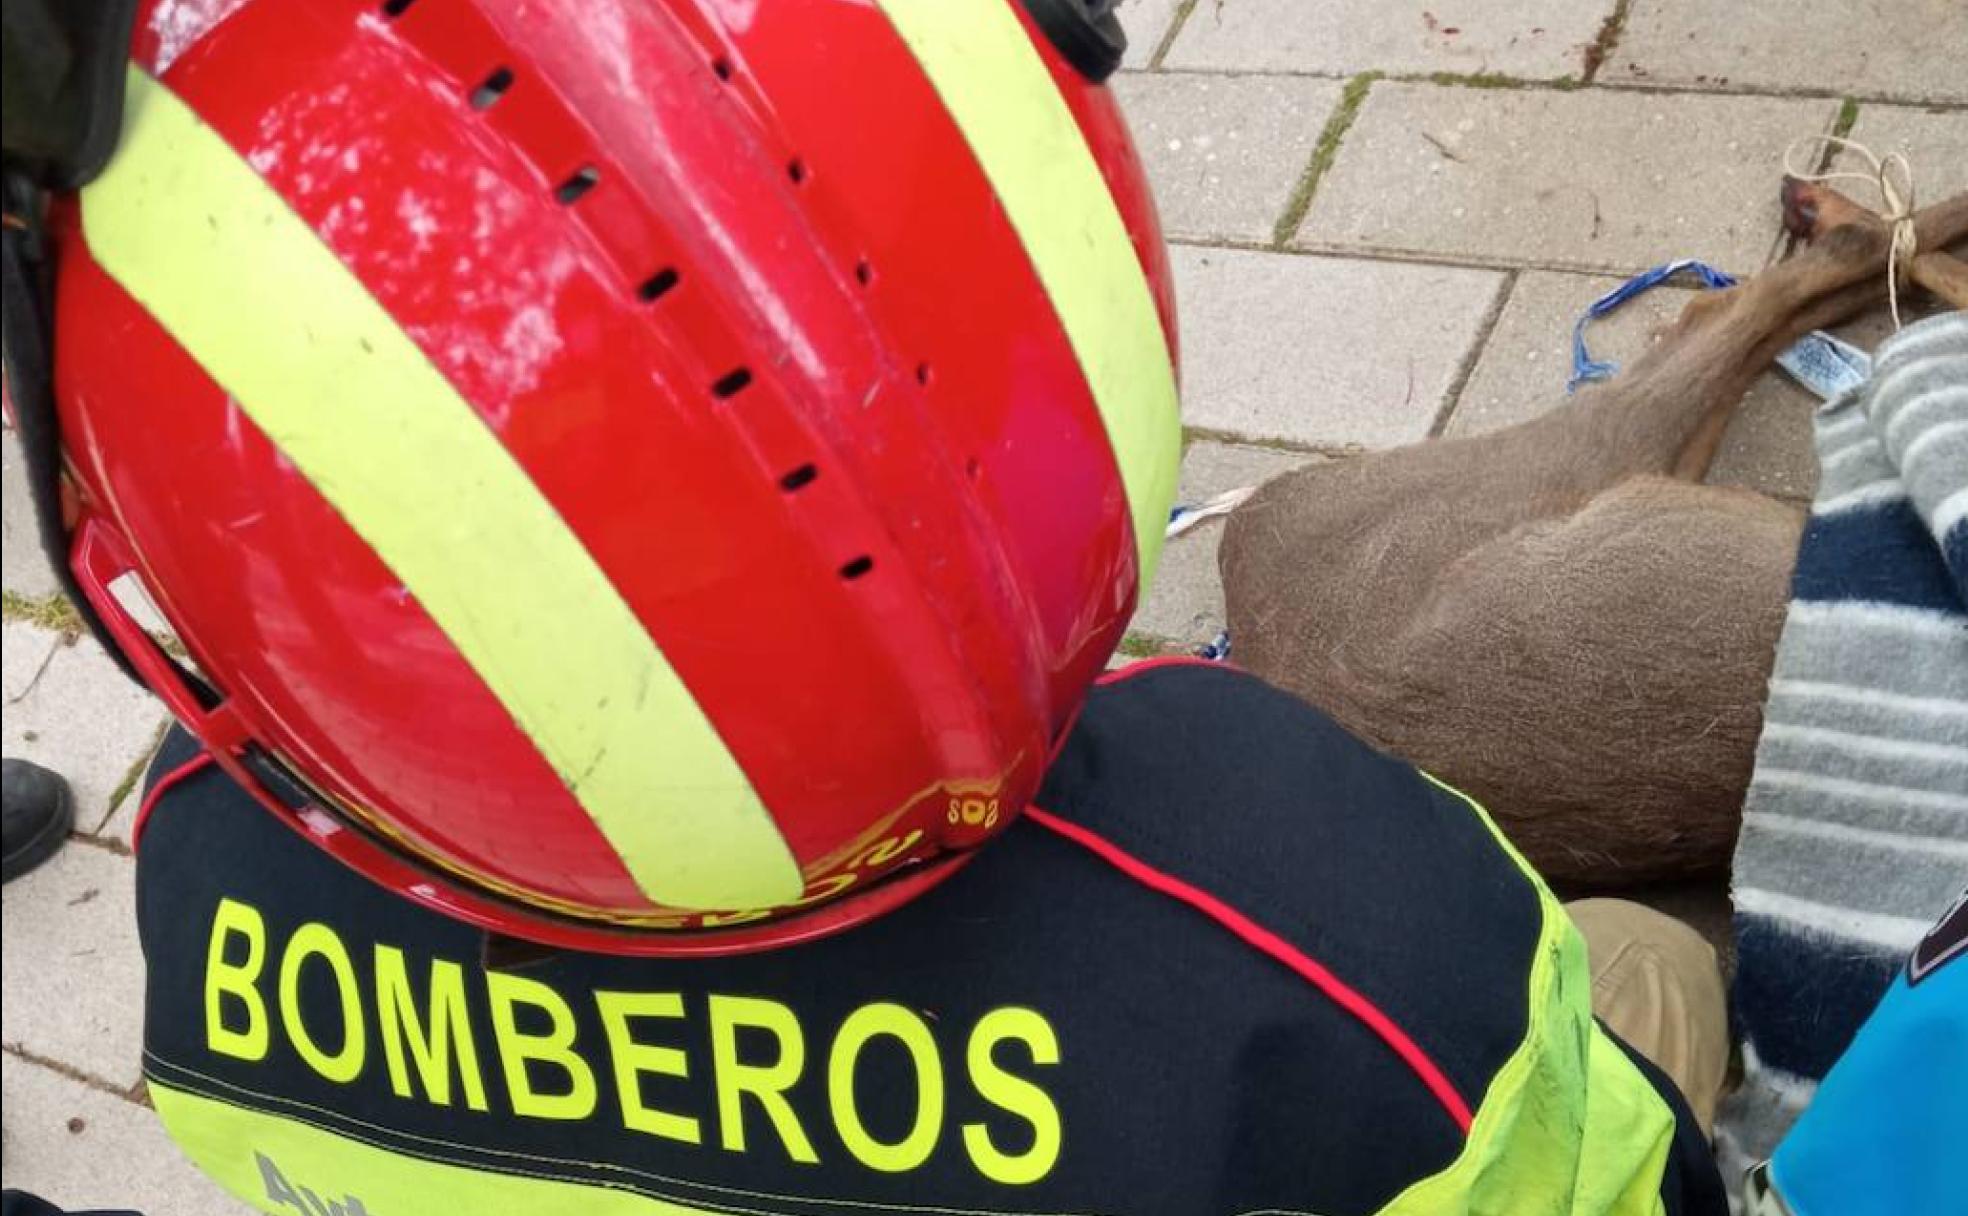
1855 832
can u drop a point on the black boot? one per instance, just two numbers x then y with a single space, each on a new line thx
38 814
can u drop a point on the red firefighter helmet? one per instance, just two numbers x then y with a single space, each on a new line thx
652 476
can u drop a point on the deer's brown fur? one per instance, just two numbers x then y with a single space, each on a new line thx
1559 618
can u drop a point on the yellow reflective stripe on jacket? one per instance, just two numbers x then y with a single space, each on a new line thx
256 1156
1568 1124
1002 97
247 287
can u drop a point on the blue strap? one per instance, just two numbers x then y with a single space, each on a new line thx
1585 368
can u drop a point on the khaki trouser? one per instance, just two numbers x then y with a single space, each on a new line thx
1655 981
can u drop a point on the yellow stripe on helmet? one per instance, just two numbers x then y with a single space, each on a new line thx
245 285
1002 97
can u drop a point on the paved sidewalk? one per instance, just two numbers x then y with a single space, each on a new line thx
1385 214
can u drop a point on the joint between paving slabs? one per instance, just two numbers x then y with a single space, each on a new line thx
1449 80
1323 154
1570 84
1467 368
1602 46
1848 117
1487 80
1169 35
1781 93
108 844
137 1094
1331 451
1143 645
130 778
1412 257
1431 257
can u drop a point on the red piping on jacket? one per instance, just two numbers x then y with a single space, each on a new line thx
1262 939
1144 666
189 768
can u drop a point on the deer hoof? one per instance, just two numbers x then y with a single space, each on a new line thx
1812 209
1800 208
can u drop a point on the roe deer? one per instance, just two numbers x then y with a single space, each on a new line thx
1559 618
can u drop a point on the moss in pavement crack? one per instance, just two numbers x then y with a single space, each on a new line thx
1609 35
1848 117
1171 34
52 612
1323 154
137 768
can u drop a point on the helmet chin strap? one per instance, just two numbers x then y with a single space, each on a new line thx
27 338
62 70
61 79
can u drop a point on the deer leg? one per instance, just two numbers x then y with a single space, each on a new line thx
1668 412
1621 654
1842 305
1664 416
1943 274
1526 614
1595 679
1812 212
1698 453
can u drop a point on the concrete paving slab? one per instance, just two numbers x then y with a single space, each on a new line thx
71 973
1539 39
1185 606
1326 352
1935 143
1768 445
1146 23
1908 49
1527 359
83 1149
25 652
1224 153
1590 180
86 720
24 570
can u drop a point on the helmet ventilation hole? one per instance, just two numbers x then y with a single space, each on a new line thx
922 374
731 383
973 468
573 188
396 8
799 478
858 567
656 284
722 67
485 95
796 169
864 272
